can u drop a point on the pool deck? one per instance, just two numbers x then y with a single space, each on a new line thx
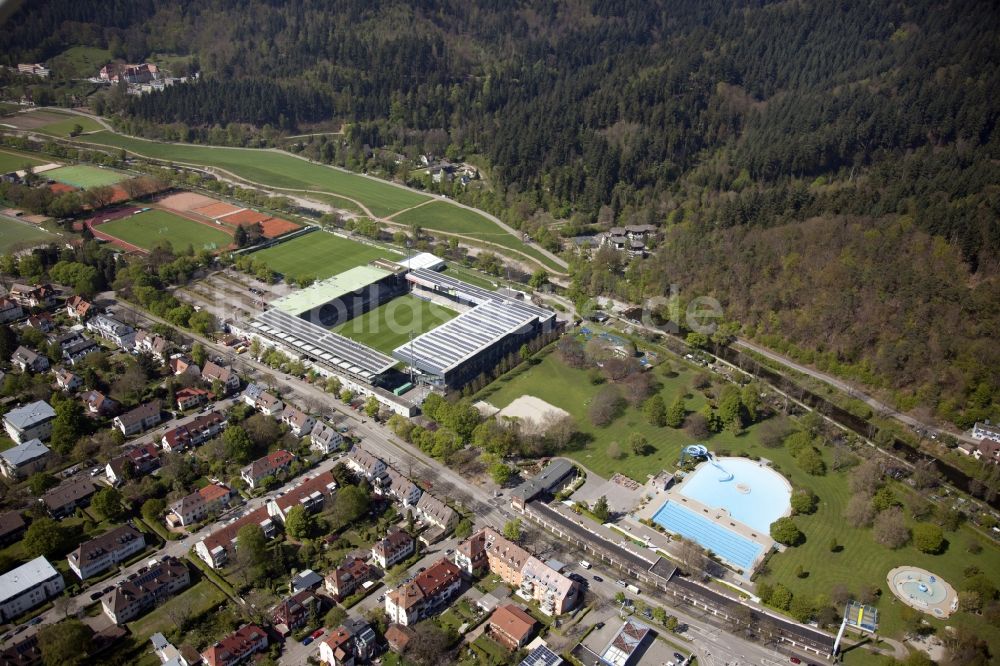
658 496
941 609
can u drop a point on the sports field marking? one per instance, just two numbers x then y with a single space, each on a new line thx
319 255
84 176
388 326
147 229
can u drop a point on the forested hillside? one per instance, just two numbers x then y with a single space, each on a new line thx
827 169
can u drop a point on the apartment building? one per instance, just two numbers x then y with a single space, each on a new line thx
393 549
27 586
200 504
141 594
94 556
425 595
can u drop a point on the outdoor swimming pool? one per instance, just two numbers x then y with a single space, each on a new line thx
734 548
754 495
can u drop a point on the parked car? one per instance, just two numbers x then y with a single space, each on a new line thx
317 633
678 656
795 660
585 564
599 625
621 583
598 579
35 620
307 640
94 596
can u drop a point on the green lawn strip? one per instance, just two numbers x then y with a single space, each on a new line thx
149 228
333 200
80 61
214 577
570 389
11 160
390 325
62 128
272 168
197 599
319 255
159 529
469 276
491 649
84 176
14 234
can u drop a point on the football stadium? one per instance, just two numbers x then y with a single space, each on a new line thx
489 327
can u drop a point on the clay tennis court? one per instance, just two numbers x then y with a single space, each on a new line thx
273 227
185 201
215 210
61 188
244 218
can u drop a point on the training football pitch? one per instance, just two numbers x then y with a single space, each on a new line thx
273 168
390 325
20 234
147 229
319 255
83 176
11 161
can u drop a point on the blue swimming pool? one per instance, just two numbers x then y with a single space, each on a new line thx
753 494
732 547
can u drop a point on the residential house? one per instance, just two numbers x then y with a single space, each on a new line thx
22 650
98 404
31 421
195 432
200 504
28 586
293 612
101 553
257 397
23 460
365 463
151 343
69 338
64 499
394 548
427 593
12 527
626 644
337 649
434 512
297 421
134 463
66 380
112 330
344 580
10 310
225 375
191 397
307 579
237 647
33 296
40 322
640 231
398 486
78 308
33 69
140 419
365 641
986 430
487 549
272 465
77 351
324 438
182 365
311 495
511 626
27 360
169 655
542 655
398 637
139 595
219 546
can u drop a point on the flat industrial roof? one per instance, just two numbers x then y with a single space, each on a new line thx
321 344
322 292
445 347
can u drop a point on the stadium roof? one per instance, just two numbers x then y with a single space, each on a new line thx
321 344
322 292
422 260
445 347
473 294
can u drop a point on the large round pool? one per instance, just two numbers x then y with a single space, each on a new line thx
752 493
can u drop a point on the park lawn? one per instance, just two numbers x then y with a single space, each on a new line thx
80 61
11 160
274 168
149 228
84 176
389 325
569 388
447 217
197 599
319 255
15 234
62 128
863 561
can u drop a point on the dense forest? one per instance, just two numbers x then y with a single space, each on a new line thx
827 170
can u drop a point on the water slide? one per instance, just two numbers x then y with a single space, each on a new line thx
726 476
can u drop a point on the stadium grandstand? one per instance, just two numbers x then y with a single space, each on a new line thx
346 295
473 343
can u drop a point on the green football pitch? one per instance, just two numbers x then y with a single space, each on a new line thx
319 255
83 176
389 326
11 161
149 228
14 235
